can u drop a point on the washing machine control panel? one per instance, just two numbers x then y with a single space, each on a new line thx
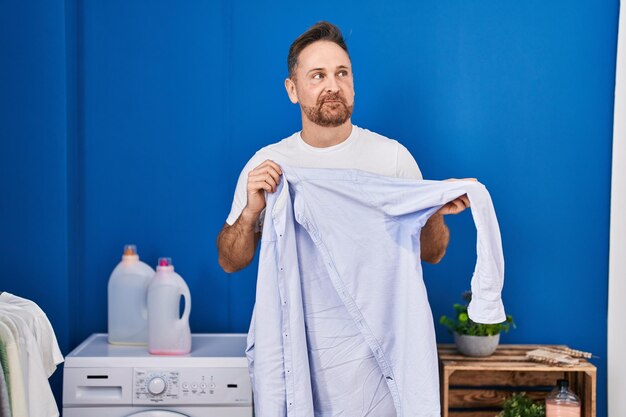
156 385
191 386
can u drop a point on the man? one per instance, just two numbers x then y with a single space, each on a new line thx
320 81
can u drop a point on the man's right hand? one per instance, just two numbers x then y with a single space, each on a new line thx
264 177
237 244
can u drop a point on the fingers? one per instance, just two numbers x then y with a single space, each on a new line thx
262 180
465 200
265 176
266 185
267 164
460 203
455 206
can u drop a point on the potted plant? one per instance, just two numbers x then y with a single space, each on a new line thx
519 405
471 338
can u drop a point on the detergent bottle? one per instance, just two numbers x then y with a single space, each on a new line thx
562 402
168 331
127 303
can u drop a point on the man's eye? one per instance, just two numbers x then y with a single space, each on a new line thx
343 73
318 76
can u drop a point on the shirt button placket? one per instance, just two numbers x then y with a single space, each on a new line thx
287 347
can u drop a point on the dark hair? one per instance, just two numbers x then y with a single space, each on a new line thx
321 31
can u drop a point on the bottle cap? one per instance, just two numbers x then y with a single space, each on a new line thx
130 250
164 262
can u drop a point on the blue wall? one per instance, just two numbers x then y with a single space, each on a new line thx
130 121
35 205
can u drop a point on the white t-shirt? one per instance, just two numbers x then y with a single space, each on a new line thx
9 342
363 150
38 350
40 327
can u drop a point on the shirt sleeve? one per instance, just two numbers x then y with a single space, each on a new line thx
412 202
240 197
406 167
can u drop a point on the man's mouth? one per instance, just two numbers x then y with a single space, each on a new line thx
331 98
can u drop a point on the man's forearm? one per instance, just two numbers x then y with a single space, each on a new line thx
236 244
434 239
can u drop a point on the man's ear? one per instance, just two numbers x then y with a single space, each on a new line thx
290 86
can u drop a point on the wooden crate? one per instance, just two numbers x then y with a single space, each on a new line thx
476 387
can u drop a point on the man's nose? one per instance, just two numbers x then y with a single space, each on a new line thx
332 85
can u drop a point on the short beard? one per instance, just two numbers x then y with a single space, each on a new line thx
331 114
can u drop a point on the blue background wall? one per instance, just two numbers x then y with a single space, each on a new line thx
130 121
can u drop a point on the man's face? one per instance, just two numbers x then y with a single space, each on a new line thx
323 84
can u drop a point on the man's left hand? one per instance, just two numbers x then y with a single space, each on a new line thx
458 204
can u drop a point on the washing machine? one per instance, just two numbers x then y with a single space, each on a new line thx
103 380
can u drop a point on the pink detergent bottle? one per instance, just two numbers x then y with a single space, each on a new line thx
168 332
562 402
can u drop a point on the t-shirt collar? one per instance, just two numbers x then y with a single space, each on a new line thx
353 135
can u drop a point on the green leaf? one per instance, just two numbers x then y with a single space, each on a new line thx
463 325
519 405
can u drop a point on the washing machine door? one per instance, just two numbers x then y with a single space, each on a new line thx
157 413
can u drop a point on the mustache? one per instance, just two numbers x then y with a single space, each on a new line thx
331 97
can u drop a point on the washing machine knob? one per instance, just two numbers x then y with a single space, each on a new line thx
156 386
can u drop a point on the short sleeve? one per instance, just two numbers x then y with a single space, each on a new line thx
241 194
406 167
240 198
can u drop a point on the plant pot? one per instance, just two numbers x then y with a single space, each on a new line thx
477 346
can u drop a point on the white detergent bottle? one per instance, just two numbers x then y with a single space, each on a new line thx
127 301
168 331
